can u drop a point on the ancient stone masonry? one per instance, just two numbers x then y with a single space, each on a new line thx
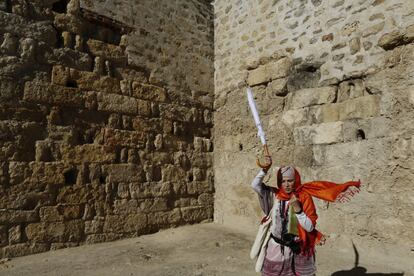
333 82
100 138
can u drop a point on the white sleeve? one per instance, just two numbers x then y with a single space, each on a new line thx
305 221
257 183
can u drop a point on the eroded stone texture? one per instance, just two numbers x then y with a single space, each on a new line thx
105 120
346 111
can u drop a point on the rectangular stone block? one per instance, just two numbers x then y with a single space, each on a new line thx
359 154
175 112
53 94
124 138
124 173
50 214
94 226
173 173
23 249
148 92
89 153
60 75
165 219
117 103
362 107
48 172
296 117
270 71
107 51
69 231
196 214
325 133
8 216
370 128
69 57
150 189
85 80
126 206
136 223
156 204
311 96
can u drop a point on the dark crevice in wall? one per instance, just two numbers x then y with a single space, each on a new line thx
360 134
70 176
60 6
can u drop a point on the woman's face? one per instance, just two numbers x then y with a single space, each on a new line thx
288 184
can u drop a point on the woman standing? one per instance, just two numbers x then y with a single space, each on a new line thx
289 248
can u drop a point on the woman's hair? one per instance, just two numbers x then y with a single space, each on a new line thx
279 178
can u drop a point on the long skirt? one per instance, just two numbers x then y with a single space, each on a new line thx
286 263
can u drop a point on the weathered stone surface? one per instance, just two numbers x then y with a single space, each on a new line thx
125 224
89 153
358 108
91 81
69 231
270 71
115 137
105 50
325 133
150 189
123 172
165 219
15 234
196 214
69 57
311 96
117 103
148 92
22 249
96 109
56 95
20 26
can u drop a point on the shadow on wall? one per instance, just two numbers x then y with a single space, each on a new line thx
361 271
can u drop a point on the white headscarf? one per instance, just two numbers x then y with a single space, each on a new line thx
288 172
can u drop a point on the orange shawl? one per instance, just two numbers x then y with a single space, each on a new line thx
325 190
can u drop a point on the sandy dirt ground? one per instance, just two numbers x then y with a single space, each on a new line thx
205 249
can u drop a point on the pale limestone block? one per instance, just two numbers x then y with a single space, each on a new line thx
277 87
362 107
311 96
257 76
409 33
367 153
270 71
330 113
325 133
279 69
376 127
295 117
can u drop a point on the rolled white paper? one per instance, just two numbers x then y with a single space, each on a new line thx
255 114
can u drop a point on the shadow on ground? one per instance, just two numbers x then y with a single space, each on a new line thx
361 271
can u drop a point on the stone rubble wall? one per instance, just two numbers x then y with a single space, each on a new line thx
334 83
104 133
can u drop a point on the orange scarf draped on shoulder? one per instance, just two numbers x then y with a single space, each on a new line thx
325 190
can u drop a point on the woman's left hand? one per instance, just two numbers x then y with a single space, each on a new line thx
295 203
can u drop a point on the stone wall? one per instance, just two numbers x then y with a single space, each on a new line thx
105 123
333 81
